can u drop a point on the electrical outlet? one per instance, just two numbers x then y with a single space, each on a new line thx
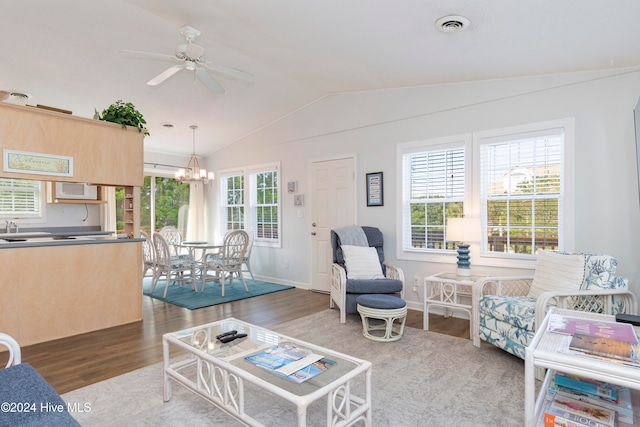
416 283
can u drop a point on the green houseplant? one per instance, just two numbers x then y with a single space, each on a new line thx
124 114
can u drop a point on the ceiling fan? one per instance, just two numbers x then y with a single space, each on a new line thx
190 57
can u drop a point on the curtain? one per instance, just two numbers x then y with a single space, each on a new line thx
195 225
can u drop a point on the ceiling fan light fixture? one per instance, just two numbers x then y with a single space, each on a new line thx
452 23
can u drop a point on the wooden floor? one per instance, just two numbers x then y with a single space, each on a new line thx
78 361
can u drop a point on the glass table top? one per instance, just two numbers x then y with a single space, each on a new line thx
202 342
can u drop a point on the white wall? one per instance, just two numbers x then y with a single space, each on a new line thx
371 124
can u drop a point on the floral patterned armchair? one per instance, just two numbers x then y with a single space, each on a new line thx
509 308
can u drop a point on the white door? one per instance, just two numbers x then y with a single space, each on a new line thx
332 190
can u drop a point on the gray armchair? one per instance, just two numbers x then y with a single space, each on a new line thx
345 290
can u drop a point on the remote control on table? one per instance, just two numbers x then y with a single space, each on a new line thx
226 334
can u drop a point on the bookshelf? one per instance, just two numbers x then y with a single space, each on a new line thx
131 211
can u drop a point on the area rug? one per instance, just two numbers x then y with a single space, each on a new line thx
187 298
424 379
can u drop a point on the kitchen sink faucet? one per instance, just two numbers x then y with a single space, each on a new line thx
10 225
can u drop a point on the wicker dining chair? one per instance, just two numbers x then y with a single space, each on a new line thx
228 263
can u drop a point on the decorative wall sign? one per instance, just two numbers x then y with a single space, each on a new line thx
298 200
374 189
37 163
292 187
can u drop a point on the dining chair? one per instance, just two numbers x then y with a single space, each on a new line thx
246 260
174 238
178 270
228 263
148 256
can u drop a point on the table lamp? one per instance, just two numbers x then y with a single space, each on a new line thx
463 231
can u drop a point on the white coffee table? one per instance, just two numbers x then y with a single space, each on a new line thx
217 372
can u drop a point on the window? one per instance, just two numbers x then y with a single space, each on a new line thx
433 191
264 205
163 201
232 203
521 189
518 181
250 200
21 198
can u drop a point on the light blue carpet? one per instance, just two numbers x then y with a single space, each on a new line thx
185 297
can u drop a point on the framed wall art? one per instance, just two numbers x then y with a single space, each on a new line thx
375 196
37 163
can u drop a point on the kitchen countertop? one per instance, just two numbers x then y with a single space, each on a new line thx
59 238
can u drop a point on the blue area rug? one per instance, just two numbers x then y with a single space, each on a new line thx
187 298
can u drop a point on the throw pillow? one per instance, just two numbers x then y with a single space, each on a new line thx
600 272
557 272
362 262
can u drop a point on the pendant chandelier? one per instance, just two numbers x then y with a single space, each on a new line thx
193 172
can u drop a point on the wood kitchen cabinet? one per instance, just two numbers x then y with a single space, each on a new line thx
77 287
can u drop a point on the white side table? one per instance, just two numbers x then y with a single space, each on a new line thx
452 292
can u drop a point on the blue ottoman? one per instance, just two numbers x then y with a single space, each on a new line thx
385 308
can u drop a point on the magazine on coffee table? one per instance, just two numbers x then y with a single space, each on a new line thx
294 363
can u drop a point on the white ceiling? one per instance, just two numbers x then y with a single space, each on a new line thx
66 53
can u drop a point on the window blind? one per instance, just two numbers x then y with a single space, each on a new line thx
232 202
264 205
433 191
20 198
521 189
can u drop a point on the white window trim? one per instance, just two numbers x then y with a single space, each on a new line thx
567 190
443 143
248 203
472 142
222 177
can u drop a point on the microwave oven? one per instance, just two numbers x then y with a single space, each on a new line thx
76 191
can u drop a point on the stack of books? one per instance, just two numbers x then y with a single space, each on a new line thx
569 412
611 342
597 393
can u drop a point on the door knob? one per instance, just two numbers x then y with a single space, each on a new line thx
313 224
313 233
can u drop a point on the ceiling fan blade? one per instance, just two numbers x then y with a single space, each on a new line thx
165 75
209 81
233 72
149 55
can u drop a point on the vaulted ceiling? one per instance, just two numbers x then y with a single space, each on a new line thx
67 53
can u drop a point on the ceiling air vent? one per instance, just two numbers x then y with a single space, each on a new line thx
452 23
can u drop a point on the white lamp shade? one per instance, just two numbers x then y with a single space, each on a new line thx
464 230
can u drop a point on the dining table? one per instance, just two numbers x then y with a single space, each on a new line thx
199 249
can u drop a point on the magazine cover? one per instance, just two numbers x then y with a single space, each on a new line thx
277 358
594 328
566 411
606 347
